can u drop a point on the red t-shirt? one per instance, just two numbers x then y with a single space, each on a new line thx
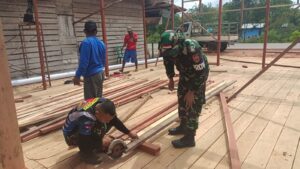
131 44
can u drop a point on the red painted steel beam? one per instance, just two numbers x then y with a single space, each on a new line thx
172 12
279 65
233 150
267 19
145 34
39 41
104 35
265 69
219 32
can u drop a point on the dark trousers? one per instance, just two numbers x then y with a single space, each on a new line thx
86 143
93 86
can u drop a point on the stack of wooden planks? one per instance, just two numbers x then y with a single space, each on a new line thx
48 114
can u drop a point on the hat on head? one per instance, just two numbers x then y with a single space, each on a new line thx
90 26
129 28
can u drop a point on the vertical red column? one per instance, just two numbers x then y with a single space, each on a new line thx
266 33
104 36
39 41
219 32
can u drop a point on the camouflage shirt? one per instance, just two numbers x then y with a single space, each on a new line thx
191 63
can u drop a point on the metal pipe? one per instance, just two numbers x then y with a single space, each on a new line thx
145 33
219 32
104 35
39 41
56 76
266 32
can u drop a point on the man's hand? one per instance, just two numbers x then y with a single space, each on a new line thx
133 135
76 81
189 99
106 141
171 84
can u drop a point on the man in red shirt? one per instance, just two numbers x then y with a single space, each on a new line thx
130 55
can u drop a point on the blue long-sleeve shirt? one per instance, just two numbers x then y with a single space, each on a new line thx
92 57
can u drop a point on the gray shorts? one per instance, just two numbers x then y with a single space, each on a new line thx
93 86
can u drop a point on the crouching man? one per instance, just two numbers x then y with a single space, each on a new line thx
87 124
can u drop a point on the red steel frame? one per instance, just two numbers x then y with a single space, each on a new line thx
104 35
219 32
172 14
39 41
264 69
24 52
145 34
266 33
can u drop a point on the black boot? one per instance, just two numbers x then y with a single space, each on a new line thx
188 140
178 130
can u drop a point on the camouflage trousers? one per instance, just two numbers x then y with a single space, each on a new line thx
190 116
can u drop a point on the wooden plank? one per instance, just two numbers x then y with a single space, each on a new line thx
231 139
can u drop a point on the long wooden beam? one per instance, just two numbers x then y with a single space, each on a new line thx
231 141
11 153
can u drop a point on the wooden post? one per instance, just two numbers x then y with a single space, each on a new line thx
10 145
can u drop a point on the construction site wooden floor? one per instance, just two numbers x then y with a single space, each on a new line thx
265 117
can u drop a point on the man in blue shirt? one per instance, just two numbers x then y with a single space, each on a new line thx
91 62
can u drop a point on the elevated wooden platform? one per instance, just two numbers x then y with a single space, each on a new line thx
265 117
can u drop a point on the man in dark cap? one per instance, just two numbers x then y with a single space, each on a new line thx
91 62
87 124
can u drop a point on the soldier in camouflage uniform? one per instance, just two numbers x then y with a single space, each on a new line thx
193 69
